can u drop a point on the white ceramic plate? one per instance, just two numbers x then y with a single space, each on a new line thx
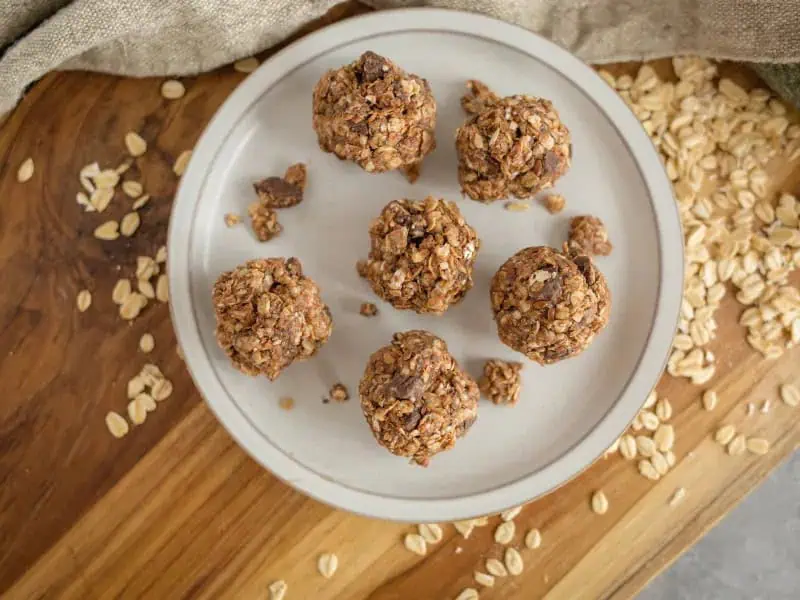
569 413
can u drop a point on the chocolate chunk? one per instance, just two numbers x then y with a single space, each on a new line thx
361 128
551 162
551 290
412 419
406 387
276 192
373 66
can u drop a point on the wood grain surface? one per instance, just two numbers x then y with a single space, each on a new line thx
176 509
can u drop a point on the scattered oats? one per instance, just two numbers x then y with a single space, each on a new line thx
513 561
327 564
651 400
146 288
339 393
83 200
645 446
108 231
286 403
517 206
627 447
135 144
505 532
161 390
136 386
129 224
246 65
108 178
790 395
555 203
646 469
121 291
671 458
140 202
599 503
533 539
132 306
765 406
649 420
710 399
660 463
232 219
511 513
172 89
677 496
181 162
117 425
162 288
147 401
136 412
147 343
25 171
496 568
431 532
464 528
737 445
123 167
484 579
468 594
161 254
663 410
612 448
757 446
277 590
84 300
132 189
101 198
725 434
664 437
145 267
415 543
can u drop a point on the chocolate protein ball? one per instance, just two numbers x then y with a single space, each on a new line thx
513 146
421 255
375 114
269 315
547 305
416 398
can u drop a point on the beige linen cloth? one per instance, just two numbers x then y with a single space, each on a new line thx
181 37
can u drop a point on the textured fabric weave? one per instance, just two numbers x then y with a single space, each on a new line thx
180 37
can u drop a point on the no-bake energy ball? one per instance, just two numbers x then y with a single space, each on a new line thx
547 305
269 315
421 255
514 146
416 398
375 114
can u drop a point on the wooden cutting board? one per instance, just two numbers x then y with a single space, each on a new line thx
176 509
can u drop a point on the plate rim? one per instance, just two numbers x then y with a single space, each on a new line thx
576 459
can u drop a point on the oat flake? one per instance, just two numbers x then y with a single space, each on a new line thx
327 565
415 543
25 171
277 590
533 539
468 594
172 89
117 425
504 532
84 300
431 532
135 144
496 568
147 343
513 561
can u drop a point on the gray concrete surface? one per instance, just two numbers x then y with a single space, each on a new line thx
753 554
